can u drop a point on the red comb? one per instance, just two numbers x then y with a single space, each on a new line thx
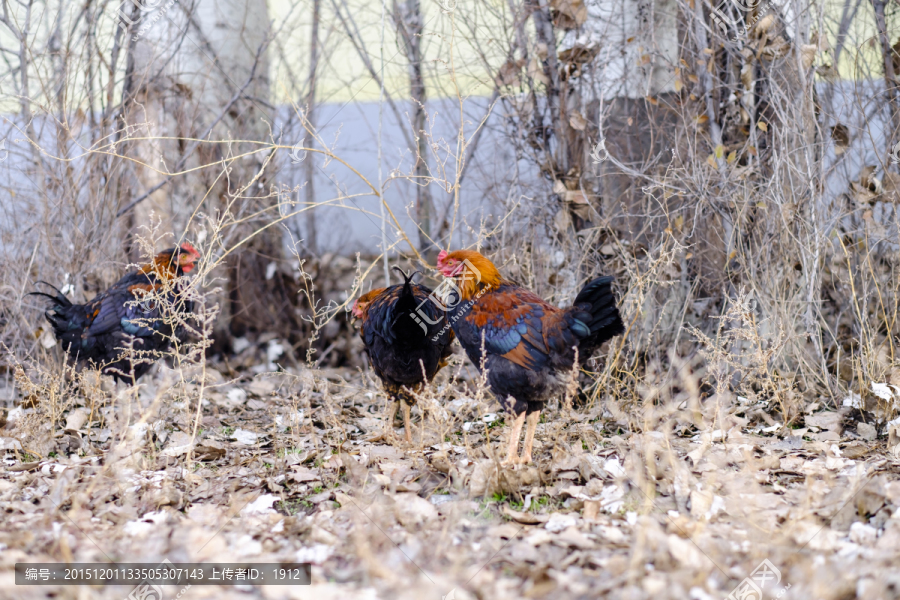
187 247
442 256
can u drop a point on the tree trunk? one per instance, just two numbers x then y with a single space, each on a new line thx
635 68
309 139
198 71
408 21
887 54
546 35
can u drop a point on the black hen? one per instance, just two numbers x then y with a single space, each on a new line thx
407 338
128 314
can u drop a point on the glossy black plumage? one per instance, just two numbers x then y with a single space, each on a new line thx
406 336
128 314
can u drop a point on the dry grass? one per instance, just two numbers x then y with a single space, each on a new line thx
749 412
679 498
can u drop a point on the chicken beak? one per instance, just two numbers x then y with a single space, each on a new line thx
453 270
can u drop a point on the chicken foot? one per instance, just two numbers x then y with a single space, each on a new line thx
512 453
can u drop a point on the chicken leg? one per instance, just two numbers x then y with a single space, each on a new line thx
512 453
533 420
407 424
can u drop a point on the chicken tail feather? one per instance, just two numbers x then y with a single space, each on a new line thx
59 299
597 299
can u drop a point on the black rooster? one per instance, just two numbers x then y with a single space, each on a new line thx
128 314
407 338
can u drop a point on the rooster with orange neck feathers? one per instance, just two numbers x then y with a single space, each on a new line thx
128 313
529 346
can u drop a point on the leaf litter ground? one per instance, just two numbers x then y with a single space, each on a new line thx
277 467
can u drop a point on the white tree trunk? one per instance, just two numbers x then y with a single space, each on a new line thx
188 67
199 77
638 41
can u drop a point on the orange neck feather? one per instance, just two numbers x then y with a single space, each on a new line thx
471 283
163 266
360 308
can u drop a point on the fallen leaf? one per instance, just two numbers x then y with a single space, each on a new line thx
76 419
242 436
9 444
524 517
412 512
262 505
315 554
572 537
558 522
